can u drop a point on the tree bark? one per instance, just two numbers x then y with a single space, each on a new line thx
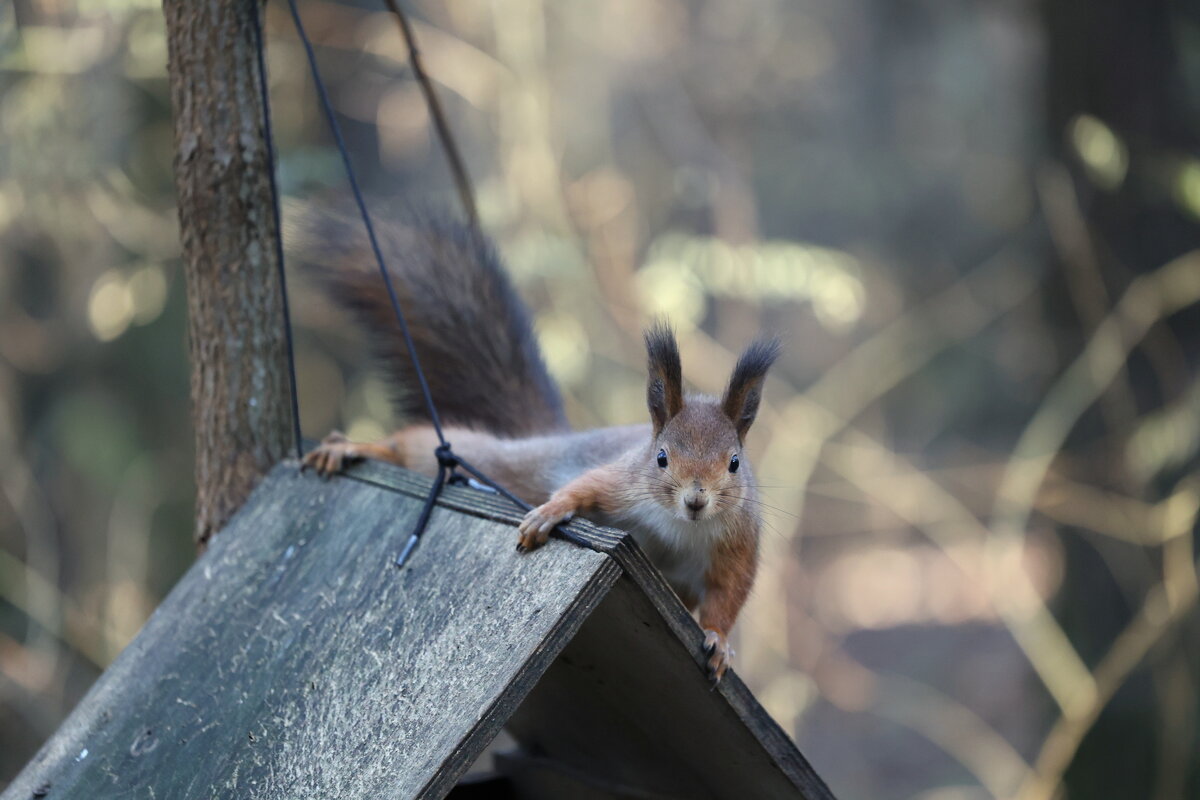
239 382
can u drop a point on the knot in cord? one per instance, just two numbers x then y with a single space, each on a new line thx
446 458
448 462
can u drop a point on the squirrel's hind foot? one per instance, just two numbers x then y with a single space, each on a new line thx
333 453
720 655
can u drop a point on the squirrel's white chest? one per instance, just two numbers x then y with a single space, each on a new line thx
680 548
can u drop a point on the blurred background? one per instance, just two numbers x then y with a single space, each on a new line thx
975 225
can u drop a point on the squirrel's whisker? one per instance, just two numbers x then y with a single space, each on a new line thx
521 430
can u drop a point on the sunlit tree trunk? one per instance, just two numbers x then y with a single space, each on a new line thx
239 381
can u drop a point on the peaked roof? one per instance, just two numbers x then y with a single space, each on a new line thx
295 660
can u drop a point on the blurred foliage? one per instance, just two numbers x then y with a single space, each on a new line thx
974 225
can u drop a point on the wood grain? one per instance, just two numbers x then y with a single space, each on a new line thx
655 659
295 661
627 703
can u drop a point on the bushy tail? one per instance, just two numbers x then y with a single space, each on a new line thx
472 332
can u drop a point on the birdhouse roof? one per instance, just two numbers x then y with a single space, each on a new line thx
295 660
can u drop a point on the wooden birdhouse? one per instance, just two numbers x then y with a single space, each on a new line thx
295 660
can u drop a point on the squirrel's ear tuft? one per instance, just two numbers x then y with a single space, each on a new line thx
741 399
664 392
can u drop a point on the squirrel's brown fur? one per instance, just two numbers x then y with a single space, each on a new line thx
472 331
680 485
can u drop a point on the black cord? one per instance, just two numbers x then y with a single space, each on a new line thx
426 511
336 130
448 460
518 502
256 8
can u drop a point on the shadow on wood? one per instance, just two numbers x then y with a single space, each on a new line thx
295 661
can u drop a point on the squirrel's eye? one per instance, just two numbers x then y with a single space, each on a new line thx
662 458
733 463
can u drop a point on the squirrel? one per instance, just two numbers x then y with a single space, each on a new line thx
681 485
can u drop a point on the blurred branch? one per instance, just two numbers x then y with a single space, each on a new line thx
461 179
849 685
38 596
684 137
1068 502
858 379
923 503
1164 440
18 695
911 495
458 66
1165 606
897 352
891 355
15 573
899 349
1073 242
1126 519
954 728
1149 299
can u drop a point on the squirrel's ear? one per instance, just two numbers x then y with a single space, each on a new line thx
741 399
664 392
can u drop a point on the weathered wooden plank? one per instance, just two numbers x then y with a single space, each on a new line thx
658 656
633 679
293 660
741 701
472 501
671 735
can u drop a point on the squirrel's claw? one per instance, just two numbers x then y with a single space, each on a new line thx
720 655
535 529
331 455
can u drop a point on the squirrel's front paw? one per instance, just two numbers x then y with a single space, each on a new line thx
720 654
535 528
333 453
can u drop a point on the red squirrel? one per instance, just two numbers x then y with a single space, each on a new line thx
681 485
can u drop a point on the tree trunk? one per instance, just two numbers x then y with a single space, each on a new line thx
240 406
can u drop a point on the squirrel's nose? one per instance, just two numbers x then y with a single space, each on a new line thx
696 500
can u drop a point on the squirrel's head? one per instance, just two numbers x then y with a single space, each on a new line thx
697 469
